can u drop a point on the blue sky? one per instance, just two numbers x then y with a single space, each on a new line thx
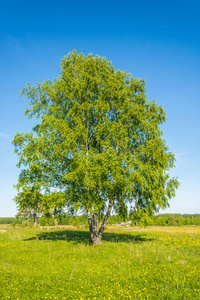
155 40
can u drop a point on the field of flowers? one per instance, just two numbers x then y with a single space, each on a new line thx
152 263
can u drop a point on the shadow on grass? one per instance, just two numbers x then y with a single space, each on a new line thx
80 236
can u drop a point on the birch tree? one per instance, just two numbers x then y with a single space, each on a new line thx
99 139
53 204
29 200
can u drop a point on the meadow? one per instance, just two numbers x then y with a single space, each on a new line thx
133 263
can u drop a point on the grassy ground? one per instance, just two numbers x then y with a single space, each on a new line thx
154 263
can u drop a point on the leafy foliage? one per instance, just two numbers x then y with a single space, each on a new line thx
98 139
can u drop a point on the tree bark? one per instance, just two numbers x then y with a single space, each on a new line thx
92 221
105 221
35 220
55 222
55 218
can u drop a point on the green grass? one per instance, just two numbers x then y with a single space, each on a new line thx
156 263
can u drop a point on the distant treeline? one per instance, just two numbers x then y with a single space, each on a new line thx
13 220
163 220
10 221
175 219
159 220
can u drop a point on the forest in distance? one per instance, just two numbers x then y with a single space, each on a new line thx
158 220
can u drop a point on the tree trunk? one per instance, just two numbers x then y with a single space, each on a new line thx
105 221
55 218
55 222
35 220
96 236
93 229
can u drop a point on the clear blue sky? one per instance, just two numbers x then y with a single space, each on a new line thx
155 40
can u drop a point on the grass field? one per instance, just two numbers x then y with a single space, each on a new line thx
152 263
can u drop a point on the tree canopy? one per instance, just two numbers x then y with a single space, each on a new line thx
98 140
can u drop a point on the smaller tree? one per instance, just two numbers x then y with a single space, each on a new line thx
53 204
25 214
29 200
